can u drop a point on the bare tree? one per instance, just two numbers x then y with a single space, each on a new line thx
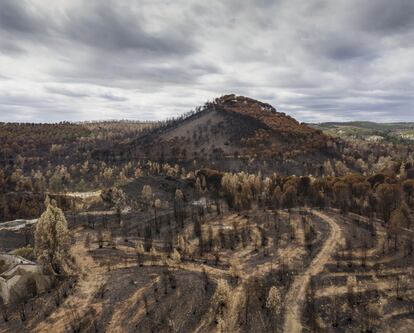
99 239
311 305
147 195
4 310
88 241
145 300
139 251
156 206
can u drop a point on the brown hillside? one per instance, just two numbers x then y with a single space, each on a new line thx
265 113
229 131
280 124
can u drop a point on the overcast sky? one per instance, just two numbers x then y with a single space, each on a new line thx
153 59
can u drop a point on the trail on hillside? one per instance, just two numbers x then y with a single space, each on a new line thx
91 277
295 297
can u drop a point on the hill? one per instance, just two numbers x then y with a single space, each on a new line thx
44 143
370 125
367 130
229 130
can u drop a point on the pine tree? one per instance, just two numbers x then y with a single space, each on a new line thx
52 237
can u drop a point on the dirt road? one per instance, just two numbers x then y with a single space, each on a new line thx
295 297
92 276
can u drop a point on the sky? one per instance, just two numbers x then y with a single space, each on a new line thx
76 60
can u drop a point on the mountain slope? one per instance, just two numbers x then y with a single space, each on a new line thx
229 131
290 133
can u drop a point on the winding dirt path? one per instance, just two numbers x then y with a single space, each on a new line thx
296 294
91 277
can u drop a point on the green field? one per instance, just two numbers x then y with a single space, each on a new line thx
367 129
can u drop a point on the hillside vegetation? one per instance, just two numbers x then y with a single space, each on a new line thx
232 218
230 131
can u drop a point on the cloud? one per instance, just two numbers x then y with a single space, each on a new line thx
9 48
114 28
382 16
18 16
67 92
152 59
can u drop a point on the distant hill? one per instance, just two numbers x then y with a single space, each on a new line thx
369 125
230 129
395 132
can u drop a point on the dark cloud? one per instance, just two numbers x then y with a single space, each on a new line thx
110 28
10 48
18 16
384 16
152 59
